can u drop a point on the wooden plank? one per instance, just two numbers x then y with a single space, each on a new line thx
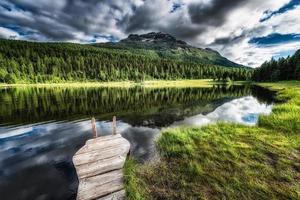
94 128
120 195
100 166
98 145
99 186
103 138
114 126
93 156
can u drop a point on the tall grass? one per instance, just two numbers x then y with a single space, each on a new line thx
228 161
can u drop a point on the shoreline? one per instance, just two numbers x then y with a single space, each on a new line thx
211 155
127 84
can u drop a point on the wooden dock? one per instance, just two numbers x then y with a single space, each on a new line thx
99 165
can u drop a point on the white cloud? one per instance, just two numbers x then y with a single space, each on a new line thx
245 22
244 110
8 33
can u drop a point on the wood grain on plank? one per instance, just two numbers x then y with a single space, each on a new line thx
98 145
119 195
99 186
100 154
100 166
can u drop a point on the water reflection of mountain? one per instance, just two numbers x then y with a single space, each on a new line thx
153 106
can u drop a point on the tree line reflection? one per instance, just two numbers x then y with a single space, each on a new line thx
37 104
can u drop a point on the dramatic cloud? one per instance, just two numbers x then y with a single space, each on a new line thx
290 5
245 31
275 38
213 13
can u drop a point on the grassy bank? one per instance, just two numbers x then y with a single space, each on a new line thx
73 84
227 161
180 83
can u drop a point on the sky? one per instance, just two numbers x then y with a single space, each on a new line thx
248 32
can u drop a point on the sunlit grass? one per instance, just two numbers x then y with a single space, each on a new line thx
229 161
149 84
134 186
75 84
179 83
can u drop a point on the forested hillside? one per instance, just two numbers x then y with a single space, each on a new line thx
164 46
282 69
30 62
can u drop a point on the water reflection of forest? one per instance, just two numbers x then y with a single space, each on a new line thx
35 104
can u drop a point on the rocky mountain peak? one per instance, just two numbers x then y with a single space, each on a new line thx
154 37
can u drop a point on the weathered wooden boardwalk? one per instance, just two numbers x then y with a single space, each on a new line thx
99 166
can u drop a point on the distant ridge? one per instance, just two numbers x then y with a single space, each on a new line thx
155 38
166 46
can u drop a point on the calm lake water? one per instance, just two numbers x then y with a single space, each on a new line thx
42 128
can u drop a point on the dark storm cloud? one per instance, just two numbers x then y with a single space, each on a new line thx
230 39
213 14
184 25
141 19
42 20
149 17
61 20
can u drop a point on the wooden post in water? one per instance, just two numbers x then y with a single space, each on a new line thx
99 166
114 126
94 128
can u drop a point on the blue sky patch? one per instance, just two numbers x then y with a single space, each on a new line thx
275 38
284 54
18 29
110 38
289 6
6 7
175 7
11 7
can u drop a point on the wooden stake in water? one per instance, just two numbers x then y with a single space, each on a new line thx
114 126
94 128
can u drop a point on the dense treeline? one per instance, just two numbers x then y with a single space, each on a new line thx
30 62
282 69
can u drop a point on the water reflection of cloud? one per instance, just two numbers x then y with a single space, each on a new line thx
105 127
141 140
243 110
44 143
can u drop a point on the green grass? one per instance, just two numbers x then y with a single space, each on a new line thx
73 84
227 161
134 186
179 83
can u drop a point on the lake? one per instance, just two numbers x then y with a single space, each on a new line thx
41 128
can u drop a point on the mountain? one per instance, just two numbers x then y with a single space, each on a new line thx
165 46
